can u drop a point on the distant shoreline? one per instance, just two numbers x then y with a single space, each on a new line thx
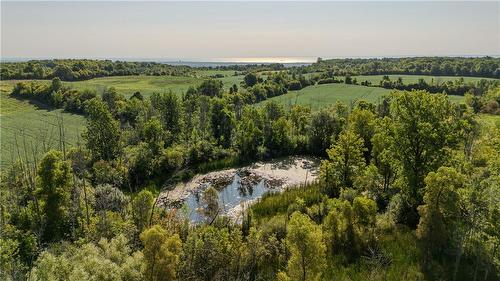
287 61
190 63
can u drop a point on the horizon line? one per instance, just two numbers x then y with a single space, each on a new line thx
242 60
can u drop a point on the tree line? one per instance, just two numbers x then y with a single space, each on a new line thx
84 69
445 66
457 87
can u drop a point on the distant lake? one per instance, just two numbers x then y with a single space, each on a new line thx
217 64
191 63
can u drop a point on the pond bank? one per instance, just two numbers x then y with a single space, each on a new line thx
239 187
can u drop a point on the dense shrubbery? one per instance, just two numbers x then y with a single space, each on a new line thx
328 81
275 84
54 95
488 102
77 69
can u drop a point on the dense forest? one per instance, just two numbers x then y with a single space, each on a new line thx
450 66
408 188
83 69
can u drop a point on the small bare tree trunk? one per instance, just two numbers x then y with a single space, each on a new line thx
86 203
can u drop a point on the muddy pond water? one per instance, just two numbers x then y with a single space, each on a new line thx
239 187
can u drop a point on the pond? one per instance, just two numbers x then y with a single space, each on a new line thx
238 188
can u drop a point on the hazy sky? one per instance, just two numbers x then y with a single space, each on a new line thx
202 30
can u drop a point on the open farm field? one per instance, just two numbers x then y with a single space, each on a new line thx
319 96
27 130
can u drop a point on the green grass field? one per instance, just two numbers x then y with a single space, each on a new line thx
319 96
146 85
23 125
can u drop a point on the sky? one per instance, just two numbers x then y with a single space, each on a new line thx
246 31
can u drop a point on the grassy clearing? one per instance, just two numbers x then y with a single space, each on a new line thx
23 125
319 96
146 85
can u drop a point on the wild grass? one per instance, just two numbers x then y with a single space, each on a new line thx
274 203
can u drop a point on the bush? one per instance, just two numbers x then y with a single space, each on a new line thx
109 198
294 85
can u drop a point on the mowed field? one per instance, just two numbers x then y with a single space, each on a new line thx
28 131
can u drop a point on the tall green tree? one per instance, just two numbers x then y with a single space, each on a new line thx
113 99
345 160
169 107
222 121
305 241
54 183
212 253
161 254
56 84
382 152
349 228
278 139
153 134
251 79
248 138
325 126
362 122
142 205
440 212
102 132
211 88
190 106
422 125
